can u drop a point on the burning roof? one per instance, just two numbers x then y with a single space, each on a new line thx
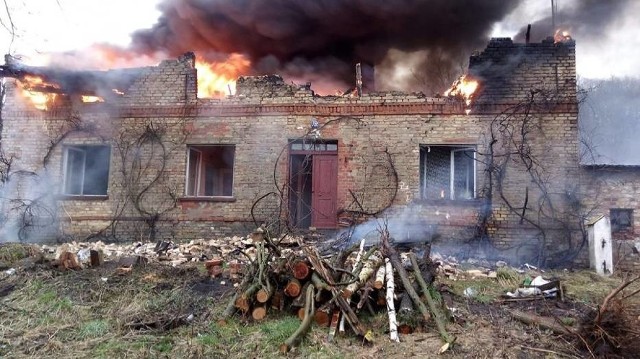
58 80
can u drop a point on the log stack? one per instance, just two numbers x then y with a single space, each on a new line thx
331 291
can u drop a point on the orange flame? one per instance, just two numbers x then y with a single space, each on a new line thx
561 36
463 87
219 78
92 99
40 100
215 78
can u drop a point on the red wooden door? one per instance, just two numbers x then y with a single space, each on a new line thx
324 191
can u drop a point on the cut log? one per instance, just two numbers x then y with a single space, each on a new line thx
300 269
369 267
342 303
299 301
405 329
68 260
264 294
394 258
259 313
379 281
293 288
243 301
322 318
391 310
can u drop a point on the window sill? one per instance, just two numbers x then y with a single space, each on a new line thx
451 202
208 199
72 197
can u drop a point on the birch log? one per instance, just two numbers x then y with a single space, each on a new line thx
369 267
379 282
346 293
391 309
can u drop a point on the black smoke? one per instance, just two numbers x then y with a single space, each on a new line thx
323 39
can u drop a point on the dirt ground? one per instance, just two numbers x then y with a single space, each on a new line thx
161 311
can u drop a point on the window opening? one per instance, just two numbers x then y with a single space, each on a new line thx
448 172
210 171
86 170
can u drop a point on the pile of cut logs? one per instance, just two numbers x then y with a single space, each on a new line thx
332 290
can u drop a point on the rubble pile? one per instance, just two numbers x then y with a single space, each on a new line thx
78 255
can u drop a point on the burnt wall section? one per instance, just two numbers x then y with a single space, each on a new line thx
171 83
509 72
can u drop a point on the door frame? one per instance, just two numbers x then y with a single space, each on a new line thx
314 152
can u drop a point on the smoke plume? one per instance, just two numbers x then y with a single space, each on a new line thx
323 39
588 20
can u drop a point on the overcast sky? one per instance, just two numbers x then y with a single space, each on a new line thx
60 25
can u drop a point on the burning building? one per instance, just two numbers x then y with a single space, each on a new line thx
140 154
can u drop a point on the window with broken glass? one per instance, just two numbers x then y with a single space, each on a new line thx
621 219
86 170
448 172
210 171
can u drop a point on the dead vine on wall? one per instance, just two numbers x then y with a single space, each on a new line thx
515 144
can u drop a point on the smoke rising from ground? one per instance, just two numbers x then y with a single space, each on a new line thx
326 38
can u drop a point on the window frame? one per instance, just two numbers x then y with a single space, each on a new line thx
453 149
616 227
200 171
83 149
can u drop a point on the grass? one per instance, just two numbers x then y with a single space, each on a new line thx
586 286
76 314
94 328
276 331
11 252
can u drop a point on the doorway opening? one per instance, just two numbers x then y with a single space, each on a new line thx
313 179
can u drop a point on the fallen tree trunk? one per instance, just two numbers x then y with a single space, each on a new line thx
542 322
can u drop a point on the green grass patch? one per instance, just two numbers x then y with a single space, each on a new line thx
94 328
109 349
485 290
164 345
276 331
